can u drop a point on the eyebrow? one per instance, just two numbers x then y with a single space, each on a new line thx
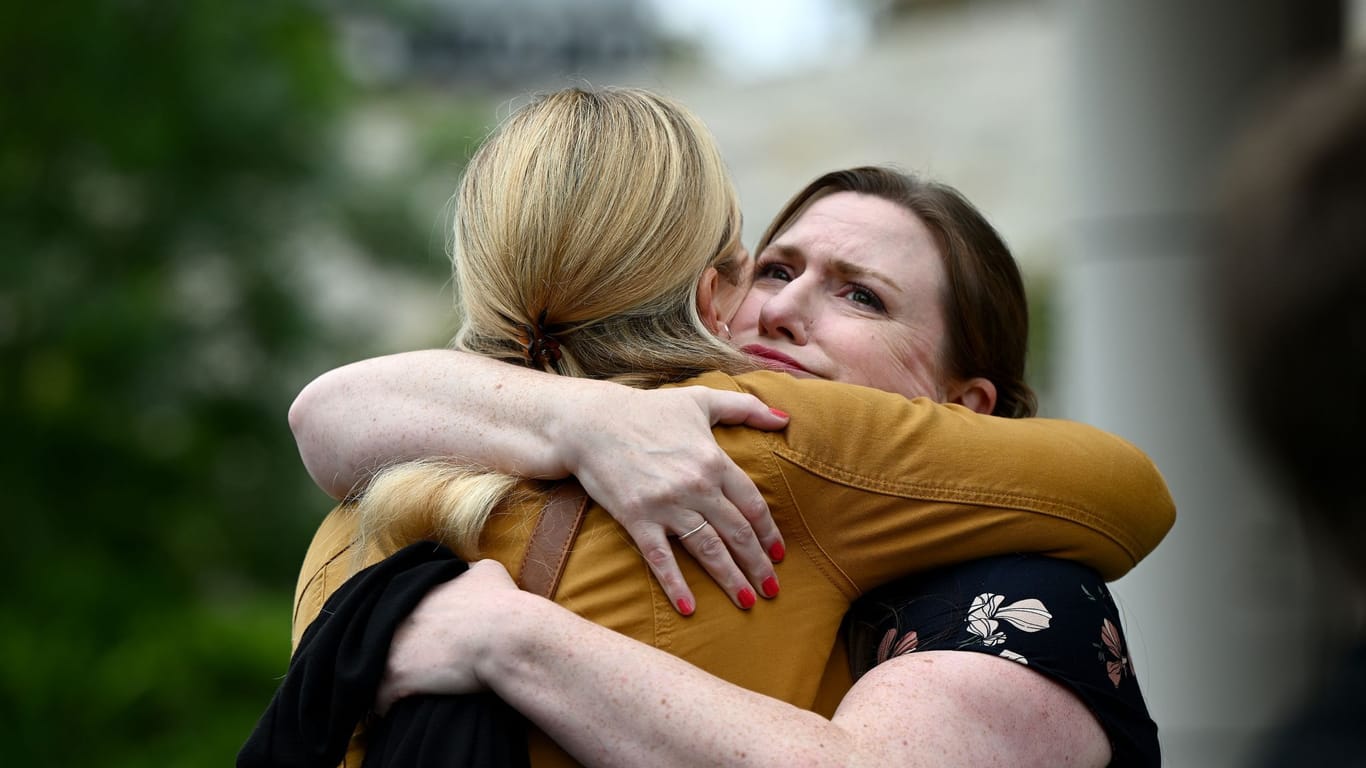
842 267
849 269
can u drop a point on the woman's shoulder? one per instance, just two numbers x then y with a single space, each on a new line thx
1054 616
780 389
833 421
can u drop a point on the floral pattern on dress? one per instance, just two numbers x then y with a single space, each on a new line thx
1117 663
907 644
1110 650
986 614
968 607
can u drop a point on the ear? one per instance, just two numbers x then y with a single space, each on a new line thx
706 299
977 394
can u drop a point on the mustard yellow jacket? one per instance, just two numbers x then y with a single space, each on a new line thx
866 487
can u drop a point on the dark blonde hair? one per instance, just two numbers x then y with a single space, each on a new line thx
590 216
581 229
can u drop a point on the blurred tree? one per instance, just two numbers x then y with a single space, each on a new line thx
160 166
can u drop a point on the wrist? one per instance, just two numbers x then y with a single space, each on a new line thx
569 424
521 637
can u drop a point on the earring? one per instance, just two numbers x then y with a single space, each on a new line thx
725 329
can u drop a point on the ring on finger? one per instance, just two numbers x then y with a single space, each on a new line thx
695 530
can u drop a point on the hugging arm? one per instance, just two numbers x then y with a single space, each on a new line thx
651 708
647 456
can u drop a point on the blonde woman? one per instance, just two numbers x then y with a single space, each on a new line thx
592 239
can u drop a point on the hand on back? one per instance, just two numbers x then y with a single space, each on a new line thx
649 458
436 649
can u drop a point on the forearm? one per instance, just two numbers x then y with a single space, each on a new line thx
611 701
352 420
648 456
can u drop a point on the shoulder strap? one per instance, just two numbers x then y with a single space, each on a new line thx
552 539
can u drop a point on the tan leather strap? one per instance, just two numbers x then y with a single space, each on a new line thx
552 539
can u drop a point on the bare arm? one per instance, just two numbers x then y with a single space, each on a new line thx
355 419
651 708
647 456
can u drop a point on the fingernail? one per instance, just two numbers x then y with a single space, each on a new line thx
770 587
685 606
776 553
778 413
746 598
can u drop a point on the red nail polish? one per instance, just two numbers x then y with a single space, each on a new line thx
746 598
770 587
685 606
778 413
776 553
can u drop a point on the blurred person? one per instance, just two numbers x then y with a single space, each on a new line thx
1289 289
820 279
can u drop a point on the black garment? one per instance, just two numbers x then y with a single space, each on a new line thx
337 669
1055 616
1331 727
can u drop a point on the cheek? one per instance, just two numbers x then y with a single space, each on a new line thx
728 301
860 357
746 317
908 369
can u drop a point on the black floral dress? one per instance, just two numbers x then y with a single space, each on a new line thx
1055 616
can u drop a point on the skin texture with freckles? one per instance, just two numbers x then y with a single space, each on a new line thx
877 322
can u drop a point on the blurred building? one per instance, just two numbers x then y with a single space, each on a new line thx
501 44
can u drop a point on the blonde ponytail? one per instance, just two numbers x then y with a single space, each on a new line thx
582 226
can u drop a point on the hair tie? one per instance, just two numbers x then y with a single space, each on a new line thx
540 348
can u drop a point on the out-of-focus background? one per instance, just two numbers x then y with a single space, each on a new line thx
205 204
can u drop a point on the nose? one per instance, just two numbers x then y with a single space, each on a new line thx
786 315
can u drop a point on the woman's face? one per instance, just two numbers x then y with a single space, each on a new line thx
851 291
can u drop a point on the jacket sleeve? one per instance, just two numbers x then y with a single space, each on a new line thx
887 486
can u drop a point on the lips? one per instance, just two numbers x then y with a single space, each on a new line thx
773 359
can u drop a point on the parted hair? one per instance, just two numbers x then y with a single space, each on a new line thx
585 222
986 312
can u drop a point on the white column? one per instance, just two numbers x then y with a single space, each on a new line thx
1218 618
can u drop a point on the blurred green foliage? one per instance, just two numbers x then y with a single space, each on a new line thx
160 166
